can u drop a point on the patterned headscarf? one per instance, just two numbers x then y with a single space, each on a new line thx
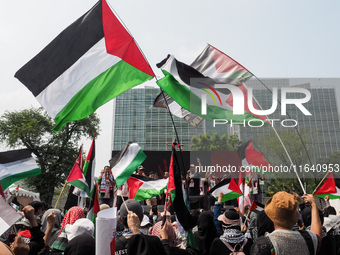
73 214
156 231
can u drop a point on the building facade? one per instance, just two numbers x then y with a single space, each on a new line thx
137 121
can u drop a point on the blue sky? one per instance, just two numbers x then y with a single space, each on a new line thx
275 39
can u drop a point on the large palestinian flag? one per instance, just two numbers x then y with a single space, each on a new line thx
89 63
214 64
188 87
228 187
142 187
123 164
330 188
16 165
252 159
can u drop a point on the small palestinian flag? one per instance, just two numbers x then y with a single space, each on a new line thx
142 187
16 165
229 188
256 207
77 179
330 188
123 164
89 166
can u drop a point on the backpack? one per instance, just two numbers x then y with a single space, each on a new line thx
233 252
265 246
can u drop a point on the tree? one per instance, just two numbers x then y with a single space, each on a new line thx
273 149
55 152
299 153
215 143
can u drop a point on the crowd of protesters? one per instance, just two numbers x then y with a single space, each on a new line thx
289 224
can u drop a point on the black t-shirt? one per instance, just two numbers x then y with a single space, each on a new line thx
194 185
140 244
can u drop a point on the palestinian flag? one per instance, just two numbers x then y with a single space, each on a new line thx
95 200
215 65
91 62
176 189
187 87
219 66
252 159
142 187
94 206
89 166
229 188
330 188
77 179
123 164
16 165
256 207
178 198
79 161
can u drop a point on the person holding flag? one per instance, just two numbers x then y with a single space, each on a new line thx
107 184
254 187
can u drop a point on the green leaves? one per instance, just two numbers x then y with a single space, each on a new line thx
215 143
55 152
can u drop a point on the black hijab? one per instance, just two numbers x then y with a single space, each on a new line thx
264 224
81 245
206 232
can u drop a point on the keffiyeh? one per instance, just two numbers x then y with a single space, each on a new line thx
73 214
231 235
156 231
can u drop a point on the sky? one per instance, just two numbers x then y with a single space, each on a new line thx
272 39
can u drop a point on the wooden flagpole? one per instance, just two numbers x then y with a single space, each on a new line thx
60 194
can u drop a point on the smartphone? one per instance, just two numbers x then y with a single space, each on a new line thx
154 209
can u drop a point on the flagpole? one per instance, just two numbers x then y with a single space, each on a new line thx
60 194
284 147
296 129
124 202
321 182
272 164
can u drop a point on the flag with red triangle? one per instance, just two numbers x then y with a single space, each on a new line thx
228 187
142 187
252 159
256 207
89 166
77 178
92 61
330 188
